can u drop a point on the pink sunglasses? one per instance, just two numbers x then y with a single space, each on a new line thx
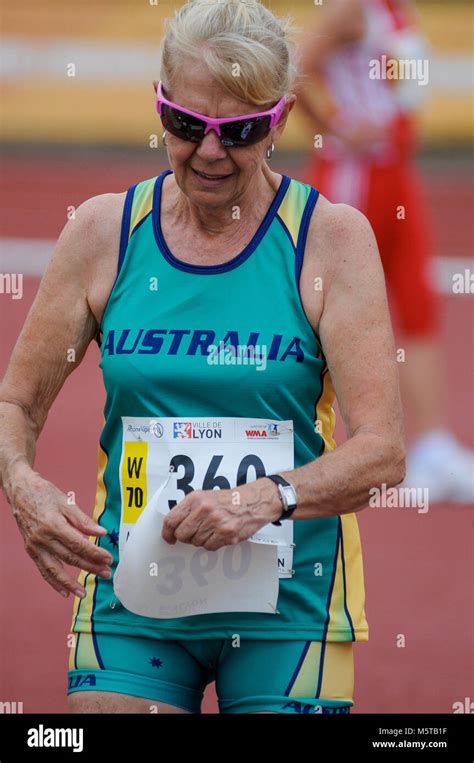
244 130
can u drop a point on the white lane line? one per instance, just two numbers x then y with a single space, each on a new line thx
102 61
25 255
30 256
97 62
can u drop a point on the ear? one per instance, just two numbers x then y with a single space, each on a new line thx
155 86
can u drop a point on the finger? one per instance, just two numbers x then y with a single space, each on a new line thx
194 523
55 574
79 546
222 538
201 537
82 522
213 543
76 560
174 519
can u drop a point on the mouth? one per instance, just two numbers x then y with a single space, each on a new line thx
211 178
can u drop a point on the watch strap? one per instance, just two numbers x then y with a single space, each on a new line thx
287 509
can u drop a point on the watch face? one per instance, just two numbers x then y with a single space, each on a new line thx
290 496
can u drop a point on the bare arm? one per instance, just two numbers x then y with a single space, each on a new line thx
357 341
52 343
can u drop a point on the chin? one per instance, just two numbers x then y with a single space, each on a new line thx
214 196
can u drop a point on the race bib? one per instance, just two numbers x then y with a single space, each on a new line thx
202 454
162 461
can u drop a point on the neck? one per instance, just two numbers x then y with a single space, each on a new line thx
251 205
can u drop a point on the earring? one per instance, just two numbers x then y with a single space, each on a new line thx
163 138
269 152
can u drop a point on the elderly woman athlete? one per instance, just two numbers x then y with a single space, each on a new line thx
231 304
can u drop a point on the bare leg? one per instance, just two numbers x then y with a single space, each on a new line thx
421 383
112 702
435 460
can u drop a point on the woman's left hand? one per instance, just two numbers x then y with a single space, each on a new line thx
216 518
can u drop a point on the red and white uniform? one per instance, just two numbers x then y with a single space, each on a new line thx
381 179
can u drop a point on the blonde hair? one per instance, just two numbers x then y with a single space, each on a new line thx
246 48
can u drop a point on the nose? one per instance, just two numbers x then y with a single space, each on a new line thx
210 148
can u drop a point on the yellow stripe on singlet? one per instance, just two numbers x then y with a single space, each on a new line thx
335 680
83 654
338 618
346 607
353 560
306 682
292 208
325 413
142 202
338 671
88 579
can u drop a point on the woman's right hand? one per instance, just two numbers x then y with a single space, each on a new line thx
55 532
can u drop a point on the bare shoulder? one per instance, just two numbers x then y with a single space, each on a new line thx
341 252
95 222
339 235
337 222
90 241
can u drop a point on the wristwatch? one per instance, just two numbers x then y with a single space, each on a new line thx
287 495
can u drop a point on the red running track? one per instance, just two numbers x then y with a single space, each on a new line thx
418 567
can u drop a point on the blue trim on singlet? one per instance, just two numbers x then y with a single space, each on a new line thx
321 669
124 229
225 266
78 636
300 249
140 222
97 577
285 228
96 644
303 233
333 578
127 213
345 588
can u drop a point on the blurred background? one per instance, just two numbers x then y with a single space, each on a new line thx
77 120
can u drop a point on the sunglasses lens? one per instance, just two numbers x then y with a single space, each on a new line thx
245 132
242 132
182 125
